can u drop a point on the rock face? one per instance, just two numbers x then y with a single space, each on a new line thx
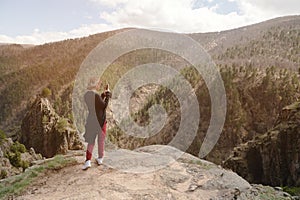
274 157
46 132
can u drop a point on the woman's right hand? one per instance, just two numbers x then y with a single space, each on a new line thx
107 93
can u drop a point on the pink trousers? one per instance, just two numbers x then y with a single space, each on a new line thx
101 140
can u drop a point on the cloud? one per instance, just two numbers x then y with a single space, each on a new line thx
176 15
39 37
270 7
88 17
110 3
184 16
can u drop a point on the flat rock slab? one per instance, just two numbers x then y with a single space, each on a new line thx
185 178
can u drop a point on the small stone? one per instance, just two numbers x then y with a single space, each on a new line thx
255 193
31 151
1 153
285 194
236 192
278 188
193 187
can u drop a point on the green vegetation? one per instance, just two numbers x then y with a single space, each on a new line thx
61 125
22 68
267 192
114 134
53 65
2 136
63 104
16 184
3 174
294 191
14 159
14 156
254 99
59 162
7 65
17 147
271 196
46 92
45 119
280 44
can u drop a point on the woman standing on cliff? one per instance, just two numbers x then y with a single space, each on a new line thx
96 120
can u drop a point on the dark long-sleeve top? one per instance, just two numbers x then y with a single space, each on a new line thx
97 107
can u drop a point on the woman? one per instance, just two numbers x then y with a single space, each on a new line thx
96 121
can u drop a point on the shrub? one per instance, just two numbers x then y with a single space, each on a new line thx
61 124
3 174
14 155
24 164
45 119
2 136
17 147
15 159
46 92
294 191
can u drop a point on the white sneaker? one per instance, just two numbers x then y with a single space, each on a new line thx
99 161
86 165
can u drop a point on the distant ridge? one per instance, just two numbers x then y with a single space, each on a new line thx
23 45
23 70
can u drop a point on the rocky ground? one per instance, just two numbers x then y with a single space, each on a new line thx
186 178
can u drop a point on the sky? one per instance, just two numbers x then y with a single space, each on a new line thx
42 21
